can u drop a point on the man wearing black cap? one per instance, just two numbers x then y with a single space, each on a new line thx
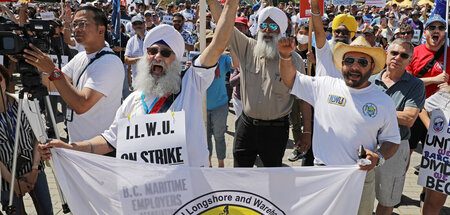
134 49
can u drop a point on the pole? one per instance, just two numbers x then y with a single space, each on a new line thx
310 45
446 37
202 39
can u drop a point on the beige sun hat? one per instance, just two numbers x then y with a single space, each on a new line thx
208 35
360 45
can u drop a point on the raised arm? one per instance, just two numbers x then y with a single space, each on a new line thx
317 24
224 27
215 8
287 69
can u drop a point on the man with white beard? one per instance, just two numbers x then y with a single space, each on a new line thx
263 127
344 28
158 79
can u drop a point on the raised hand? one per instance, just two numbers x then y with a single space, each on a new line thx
286 46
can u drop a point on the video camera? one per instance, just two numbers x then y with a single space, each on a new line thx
14 39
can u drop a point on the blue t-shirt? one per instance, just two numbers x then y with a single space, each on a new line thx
216 95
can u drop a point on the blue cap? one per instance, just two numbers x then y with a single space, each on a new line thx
256 7
435 18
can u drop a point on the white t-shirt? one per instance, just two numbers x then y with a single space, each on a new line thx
104 75
134 49
345 118
325 64
188 15
194 84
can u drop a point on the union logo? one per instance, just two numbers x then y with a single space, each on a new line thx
438 124
370 110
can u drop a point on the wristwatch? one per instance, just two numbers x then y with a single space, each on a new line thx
56 75
381 159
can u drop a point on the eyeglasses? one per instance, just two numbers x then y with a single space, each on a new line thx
363 62
343 32
148 15
272 26
176 21
406 33
137 23
433 27
402 55
164 52
81 24
392 17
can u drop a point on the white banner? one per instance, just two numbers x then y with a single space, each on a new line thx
94 184
47 16
376 3
435 164
342 2
153 138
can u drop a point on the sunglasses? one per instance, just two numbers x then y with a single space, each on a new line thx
363 62
343 32
272 26
433 27
406 33
164 52
176 21
137 23
402 55
392 17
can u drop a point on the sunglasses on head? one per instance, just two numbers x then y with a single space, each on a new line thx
433 27
402 55
272 26
363 62
406 32
343 32
164 52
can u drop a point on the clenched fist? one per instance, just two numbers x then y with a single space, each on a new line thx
286 46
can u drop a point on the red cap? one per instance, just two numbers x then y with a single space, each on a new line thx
242 20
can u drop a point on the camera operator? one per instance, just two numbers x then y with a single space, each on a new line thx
31 174
90 82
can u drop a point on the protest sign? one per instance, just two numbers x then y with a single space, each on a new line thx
94 184
153 138
342 2
435 163
305 8
376 3
47 16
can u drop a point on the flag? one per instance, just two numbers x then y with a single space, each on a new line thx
115 18
439 8
94 184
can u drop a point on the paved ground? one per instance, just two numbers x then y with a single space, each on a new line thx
408 206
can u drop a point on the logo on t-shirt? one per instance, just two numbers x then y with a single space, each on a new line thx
337 100
438 124
370 110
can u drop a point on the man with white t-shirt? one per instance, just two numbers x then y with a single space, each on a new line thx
159 78
348 112
91 83
134 50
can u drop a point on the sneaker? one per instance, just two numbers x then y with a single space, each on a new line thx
296 155
422 199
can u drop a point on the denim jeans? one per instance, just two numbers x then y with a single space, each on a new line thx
217 126
42 196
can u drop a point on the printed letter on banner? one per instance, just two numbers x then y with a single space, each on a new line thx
435 163
154 138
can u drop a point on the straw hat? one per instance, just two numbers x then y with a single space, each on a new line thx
360 45
208 35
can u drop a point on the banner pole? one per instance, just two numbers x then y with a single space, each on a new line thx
446 43
310 45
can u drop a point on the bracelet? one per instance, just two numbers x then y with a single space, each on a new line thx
92 146
306 132
286 59
315 14
35 168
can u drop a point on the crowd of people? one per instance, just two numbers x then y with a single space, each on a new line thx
372 70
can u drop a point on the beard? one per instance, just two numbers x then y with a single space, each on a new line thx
267 48
334 40
363 78
168 82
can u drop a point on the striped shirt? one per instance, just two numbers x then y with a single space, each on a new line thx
26 142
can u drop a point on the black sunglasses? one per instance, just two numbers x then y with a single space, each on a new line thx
363 62
176 21
137 23
402 55
343 32
433 27
406 33
164 52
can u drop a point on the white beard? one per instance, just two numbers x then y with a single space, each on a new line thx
169 82
333 43
267 48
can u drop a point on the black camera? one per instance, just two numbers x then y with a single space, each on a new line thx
14 39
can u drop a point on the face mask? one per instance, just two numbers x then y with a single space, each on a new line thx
302 39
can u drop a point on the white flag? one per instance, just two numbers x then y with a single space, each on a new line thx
95 184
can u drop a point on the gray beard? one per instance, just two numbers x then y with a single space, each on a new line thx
333 43
168 83
266 48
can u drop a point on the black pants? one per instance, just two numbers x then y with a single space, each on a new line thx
267 139
418 133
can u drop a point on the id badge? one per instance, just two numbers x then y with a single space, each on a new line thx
69 115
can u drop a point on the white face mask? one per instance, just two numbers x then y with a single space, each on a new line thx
302 39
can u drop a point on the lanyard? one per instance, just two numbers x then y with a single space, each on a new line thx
146 108
13 122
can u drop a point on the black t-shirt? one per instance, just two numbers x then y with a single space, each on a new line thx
305 60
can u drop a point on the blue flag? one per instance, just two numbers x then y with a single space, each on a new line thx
115 18
439 8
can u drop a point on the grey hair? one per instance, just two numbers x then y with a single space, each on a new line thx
401 41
